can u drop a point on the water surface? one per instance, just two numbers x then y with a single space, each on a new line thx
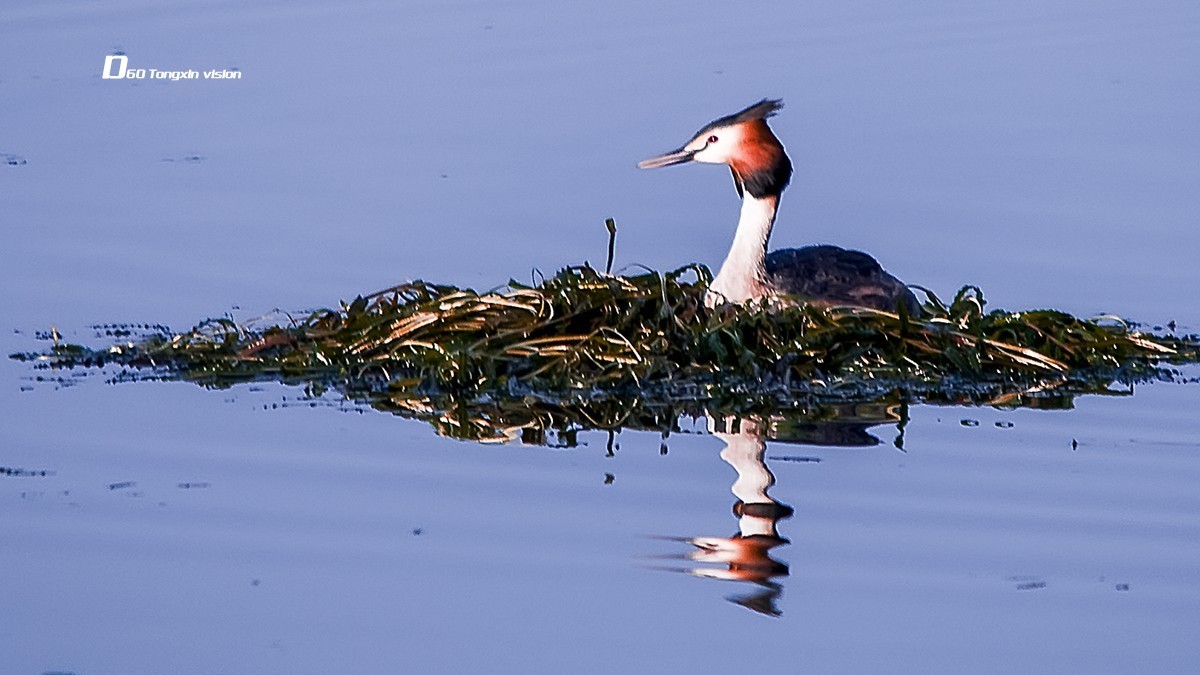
1044 151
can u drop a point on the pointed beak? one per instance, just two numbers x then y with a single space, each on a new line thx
674 157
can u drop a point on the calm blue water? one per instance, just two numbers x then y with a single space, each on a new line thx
1047 152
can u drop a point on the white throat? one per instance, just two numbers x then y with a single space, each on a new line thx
743 275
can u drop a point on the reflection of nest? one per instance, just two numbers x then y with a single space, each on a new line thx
549 421
839 425
539 422
535 421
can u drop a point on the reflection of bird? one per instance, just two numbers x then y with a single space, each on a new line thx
746 555
761 170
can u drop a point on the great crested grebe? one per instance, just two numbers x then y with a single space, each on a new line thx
827 275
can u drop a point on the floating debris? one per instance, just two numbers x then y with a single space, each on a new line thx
25 473
1026 582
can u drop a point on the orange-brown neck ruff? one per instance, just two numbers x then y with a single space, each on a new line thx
760 163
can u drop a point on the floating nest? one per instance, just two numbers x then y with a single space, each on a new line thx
589 334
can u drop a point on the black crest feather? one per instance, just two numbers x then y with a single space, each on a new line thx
759 111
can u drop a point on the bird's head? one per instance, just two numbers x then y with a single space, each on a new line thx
744 142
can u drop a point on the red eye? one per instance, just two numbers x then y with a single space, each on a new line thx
712 139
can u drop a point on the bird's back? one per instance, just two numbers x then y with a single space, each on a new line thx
833 275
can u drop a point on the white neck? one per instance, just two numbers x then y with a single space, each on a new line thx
743 275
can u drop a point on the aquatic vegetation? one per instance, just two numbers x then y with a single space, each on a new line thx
643 345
